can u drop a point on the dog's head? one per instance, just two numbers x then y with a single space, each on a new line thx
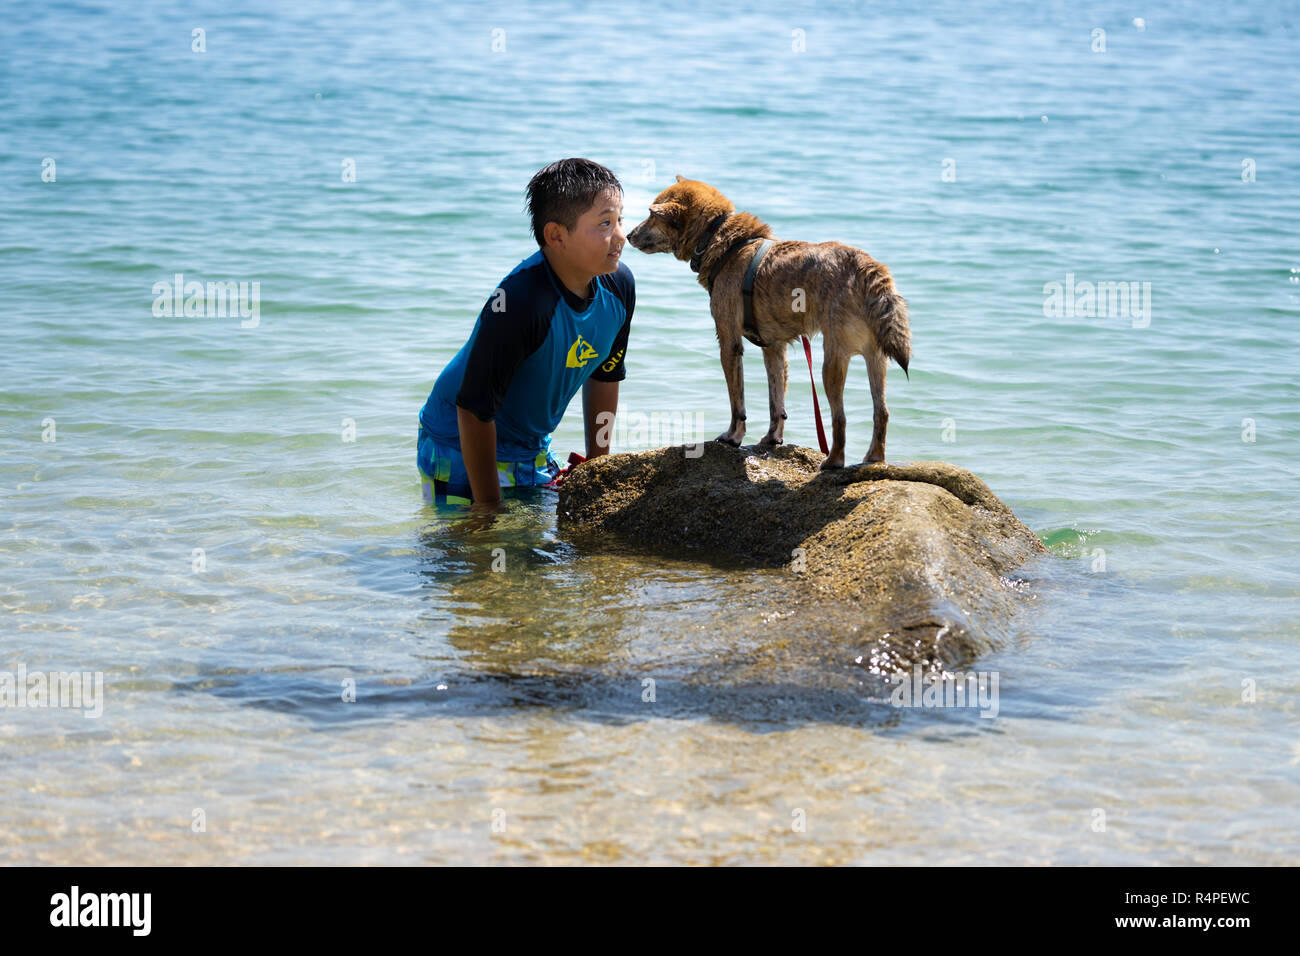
679 217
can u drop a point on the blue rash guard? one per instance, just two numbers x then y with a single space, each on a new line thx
535 343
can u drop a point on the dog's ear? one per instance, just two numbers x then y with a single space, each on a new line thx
671 212
680 177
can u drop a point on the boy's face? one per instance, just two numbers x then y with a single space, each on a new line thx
596 242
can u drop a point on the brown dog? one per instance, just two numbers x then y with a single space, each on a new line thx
799 288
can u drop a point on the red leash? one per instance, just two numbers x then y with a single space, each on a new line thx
817 409
574 460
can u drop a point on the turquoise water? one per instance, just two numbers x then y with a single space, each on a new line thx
201 532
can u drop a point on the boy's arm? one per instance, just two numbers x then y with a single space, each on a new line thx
501 342
599 404
600 391
478 447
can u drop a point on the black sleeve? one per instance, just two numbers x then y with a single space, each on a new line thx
612 370
502 340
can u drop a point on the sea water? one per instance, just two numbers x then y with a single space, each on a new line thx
217 510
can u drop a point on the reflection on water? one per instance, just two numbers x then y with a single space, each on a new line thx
516 617
522 689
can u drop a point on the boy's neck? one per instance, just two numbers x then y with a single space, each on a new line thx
576 281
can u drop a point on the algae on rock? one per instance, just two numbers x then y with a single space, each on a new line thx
911 557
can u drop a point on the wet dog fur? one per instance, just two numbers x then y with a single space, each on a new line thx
800 288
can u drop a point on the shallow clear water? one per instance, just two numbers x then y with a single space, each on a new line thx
516 695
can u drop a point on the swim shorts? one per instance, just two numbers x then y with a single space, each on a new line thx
444 481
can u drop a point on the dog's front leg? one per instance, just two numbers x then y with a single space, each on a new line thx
732 349
777 370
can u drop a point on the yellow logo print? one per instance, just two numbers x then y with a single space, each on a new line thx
580 353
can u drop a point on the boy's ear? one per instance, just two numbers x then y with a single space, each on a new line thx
553 230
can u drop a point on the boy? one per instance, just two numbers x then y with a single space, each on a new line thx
558 321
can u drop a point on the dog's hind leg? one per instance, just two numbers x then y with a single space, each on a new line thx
774 361
880 413
835 368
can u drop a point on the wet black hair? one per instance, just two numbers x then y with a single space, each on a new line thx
564 190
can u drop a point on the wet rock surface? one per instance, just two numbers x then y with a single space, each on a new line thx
889 564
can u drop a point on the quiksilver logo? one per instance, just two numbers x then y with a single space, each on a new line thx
580 353
102 909
613 361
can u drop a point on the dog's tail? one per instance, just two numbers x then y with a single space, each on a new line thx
887 312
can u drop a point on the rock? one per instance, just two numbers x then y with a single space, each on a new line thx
900 563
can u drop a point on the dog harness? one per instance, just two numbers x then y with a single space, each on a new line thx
747 293
747 286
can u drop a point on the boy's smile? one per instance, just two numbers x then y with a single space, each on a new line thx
593 247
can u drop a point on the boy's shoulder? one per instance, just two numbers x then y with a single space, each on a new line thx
526 293
621 282
532 273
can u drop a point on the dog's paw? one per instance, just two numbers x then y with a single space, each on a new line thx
767 441
830 464
728 439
